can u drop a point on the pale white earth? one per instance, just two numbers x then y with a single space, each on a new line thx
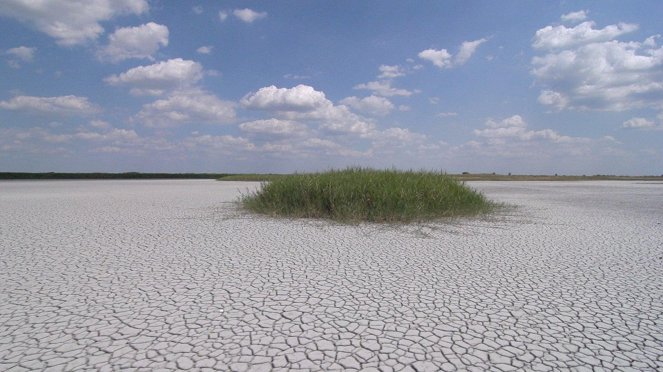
122 275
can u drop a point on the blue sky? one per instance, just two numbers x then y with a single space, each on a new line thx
568 87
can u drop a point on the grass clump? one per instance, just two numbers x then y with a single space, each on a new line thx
359 194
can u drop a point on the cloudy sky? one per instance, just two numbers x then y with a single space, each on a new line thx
569 87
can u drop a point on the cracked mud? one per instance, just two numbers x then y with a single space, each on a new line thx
120 275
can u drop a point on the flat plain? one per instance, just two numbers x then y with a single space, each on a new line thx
121 275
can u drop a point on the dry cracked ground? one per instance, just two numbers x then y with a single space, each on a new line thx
163 275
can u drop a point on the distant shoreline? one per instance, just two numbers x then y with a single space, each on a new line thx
107 176
266 177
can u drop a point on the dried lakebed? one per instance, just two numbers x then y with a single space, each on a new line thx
120 275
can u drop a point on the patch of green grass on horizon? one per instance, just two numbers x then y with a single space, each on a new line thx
361 194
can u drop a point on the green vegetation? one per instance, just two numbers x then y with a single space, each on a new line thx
357 194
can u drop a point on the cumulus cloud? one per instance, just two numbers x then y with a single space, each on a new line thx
561 37
440 58
372 105
586 68
554 99
135 42
223 15
68 105
384 88
160 77
466 51
205 49
340 120
639 123
20 55
305 104
447 114
330 148
273 127
443 59
100 124
578 16
70 22
248 15
42 140
390 72
299 98
321 126
515 128
225 144
397 137
112 135
23 53
501 143
186 107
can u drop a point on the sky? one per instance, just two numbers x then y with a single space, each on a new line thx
522 87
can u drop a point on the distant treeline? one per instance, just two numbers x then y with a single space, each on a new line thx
107 176
465 176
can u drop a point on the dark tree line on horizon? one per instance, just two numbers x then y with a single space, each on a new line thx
106 176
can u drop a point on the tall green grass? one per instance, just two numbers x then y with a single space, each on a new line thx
359 194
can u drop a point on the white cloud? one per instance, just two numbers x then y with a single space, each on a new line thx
398 136
561 37
70 105
330 148
515 128
100 124
509 145
390 72
578 16
70 22
273 126
440 58
23 53
135 42
638 123
447 114
299 98
372 105
554 99
466 51
584 68
186 107
197 9
112 135
160 77
205 49
296 77
443 59
321 126
248 16
223 15
305 104
384 88
510 122
340 120
226 144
